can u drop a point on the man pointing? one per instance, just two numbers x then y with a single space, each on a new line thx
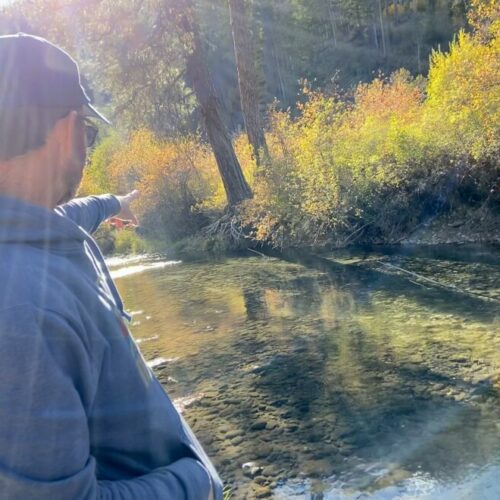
81 415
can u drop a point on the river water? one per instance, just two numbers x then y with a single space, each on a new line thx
350 375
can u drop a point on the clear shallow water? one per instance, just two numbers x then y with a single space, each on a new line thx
339 377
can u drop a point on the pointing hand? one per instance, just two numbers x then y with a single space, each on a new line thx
126 213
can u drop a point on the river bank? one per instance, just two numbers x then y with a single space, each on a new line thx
454 228
462 227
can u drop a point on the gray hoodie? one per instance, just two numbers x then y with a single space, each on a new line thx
81 415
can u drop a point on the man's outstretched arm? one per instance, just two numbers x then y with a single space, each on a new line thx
47 379
91 211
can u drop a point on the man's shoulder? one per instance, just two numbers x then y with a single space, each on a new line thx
28 309
28 280
20 283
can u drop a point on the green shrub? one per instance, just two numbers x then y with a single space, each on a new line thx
127 241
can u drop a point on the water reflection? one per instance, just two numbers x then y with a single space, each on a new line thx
255 302
336 380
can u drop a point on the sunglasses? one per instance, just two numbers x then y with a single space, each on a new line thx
91 132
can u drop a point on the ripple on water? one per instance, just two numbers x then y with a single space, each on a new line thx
147 339
140 268
121 261
480 484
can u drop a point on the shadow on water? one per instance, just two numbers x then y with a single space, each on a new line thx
308 423
475 254
320 372
366 281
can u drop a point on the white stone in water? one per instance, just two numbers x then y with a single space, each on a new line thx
155 363
182 403
251 469
136 313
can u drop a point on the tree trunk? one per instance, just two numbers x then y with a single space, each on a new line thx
382 30
244 51
419 65
271 50
331 13
375 36
235 185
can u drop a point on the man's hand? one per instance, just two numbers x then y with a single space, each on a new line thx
126 213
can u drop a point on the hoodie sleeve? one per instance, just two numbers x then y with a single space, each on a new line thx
89 212
47 380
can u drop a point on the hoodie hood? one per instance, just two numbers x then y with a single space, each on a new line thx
25 223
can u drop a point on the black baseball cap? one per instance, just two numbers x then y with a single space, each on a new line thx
37 73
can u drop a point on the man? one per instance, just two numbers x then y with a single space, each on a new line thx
81 415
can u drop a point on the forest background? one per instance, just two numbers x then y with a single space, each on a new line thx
286 122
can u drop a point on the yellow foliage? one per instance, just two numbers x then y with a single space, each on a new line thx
397 145
155 167
463 105
176 178
96 179
484 17
374 160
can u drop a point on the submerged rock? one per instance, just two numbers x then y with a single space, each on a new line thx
259 425
251 469
260 491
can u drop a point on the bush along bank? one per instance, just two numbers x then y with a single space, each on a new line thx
378 164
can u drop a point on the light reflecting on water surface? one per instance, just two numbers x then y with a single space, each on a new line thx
337 380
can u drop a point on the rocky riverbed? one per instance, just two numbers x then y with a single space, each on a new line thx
266 426
300 381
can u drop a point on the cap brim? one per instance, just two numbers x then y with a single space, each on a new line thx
92 112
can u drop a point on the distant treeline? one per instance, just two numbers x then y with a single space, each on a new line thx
131 43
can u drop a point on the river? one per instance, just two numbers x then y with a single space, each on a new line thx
368 373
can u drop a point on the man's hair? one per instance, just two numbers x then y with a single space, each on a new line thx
26 129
